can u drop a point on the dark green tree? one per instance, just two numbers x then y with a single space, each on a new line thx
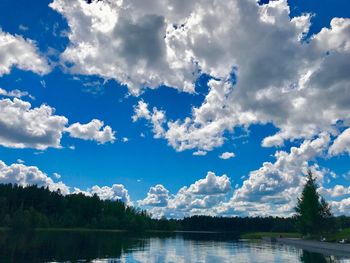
313 212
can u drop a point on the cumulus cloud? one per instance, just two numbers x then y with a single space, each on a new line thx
15 51
341 207
272 189
22 126
252 82
336 191
115 192
157 196
18 173
94 130
136 36
211 185
227 155
341 143
198 198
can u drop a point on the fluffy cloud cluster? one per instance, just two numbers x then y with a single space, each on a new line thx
23 175
286 172
341 207
93 130
198 198
157 196
273 188
336 191
341 143
254 83
270 190
21 53
22 126
211 185
130 41
115 192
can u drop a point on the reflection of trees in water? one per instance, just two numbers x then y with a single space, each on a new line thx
62 246
310 257
209 236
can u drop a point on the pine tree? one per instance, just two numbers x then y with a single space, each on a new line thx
313 212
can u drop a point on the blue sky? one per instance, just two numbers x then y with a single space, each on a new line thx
141 59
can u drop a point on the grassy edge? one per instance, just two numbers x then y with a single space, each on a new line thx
259 235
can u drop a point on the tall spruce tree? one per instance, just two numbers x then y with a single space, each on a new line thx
313 212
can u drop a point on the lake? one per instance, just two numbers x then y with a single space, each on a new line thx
87 246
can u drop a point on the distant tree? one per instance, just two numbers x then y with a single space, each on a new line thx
313 212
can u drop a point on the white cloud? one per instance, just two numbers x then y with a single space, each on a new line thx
341 207
273 85
15 51
227 155
274 140
23 175
115 192
199 153
157 196
336 191
94 130
125 139
156 117
13 93
56 175
22 126
211 185
136 37
341 143
199 198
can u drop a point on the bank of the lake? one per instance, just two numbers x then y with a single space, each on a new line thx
327 248
260 235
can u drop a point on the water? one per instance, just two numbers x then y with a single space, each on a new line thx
67 246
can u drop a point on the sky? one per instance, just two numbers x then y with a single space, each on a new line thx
178 107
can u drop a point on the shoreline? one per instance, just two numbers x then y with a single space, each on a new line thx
53 229
325 248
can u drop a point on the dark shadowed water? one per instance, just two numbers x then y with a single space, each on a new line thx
67 246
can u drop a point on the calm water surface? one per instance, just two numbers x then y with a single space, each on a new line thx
57 246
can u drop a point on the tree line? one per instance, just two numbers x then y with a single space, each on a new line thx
38 207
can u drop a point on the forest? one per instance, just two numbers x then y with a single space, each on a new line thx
38 207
